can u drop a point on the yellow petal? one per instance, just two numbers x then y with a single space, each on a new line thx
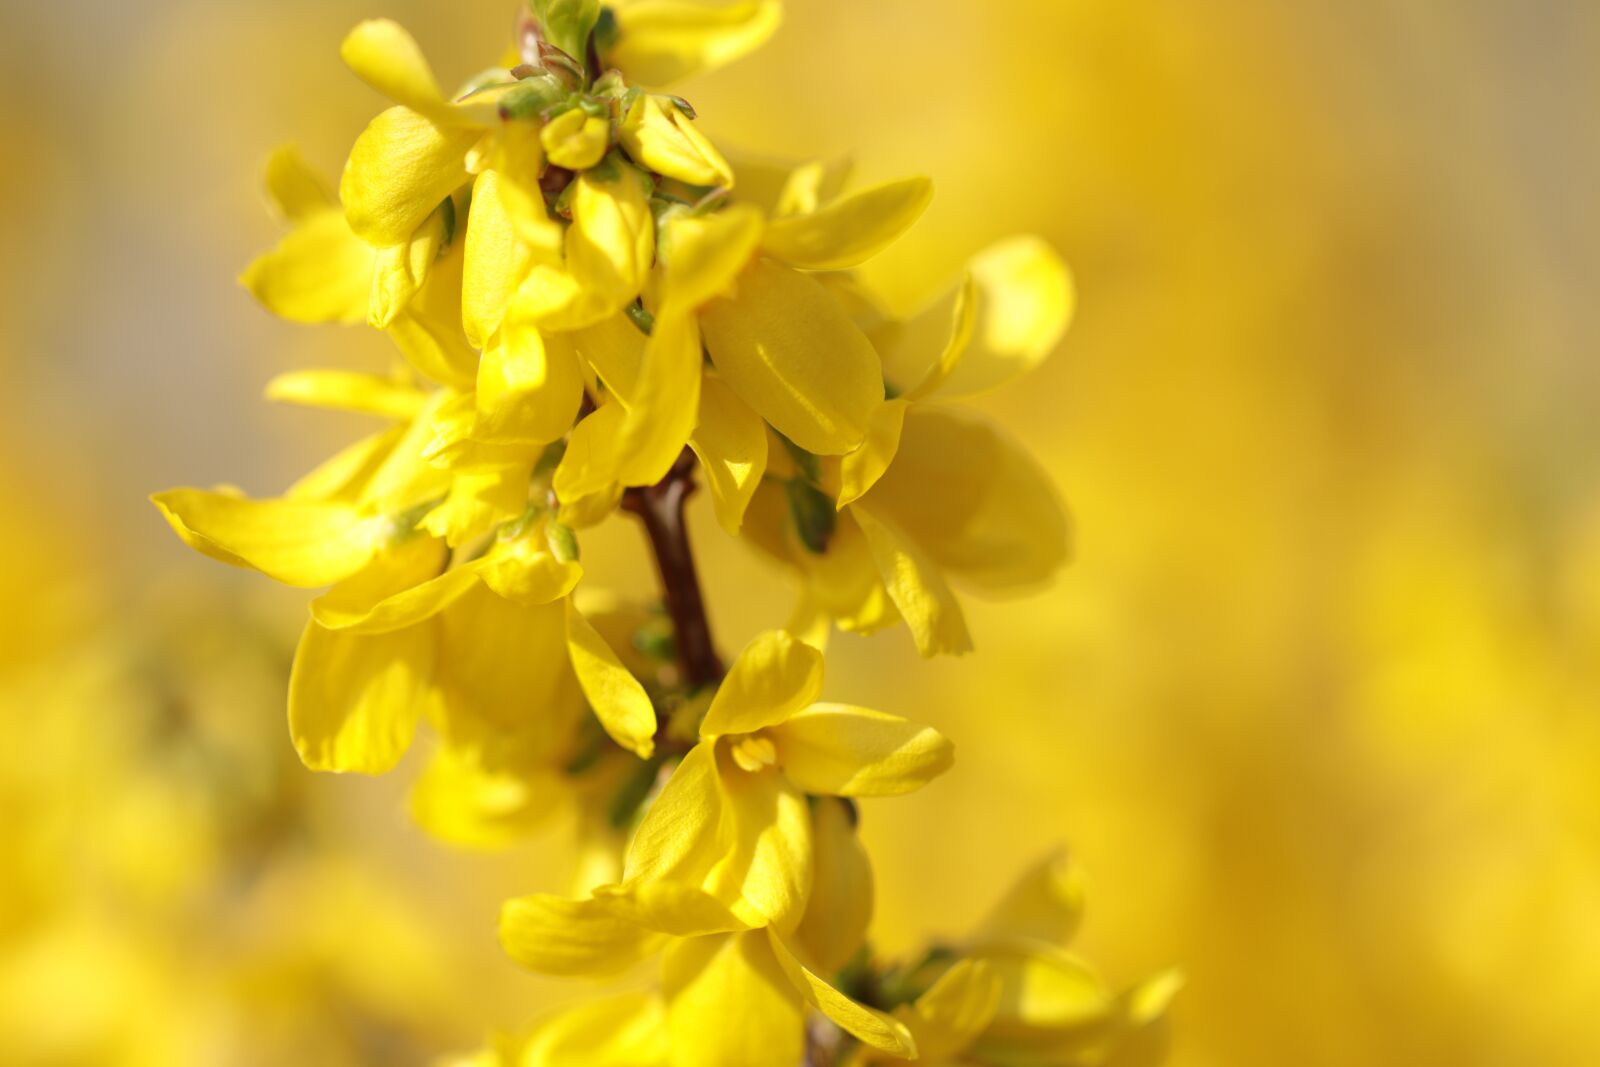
918 589
624 1031
1044 904
299 542
526 392
861 469
339 390
660 137
953 1011
497 259
791 353
660 41
839 750
610 248
773 678
296 191
844 580
1041 988
590 463
764 875
1025 303
615 349
840 908
871 1026
401 167
677 839
785 188
354 701
731 441
918 355
386 57
576 139
554 935
665 403
346 474
461 803
524 570
705 253
729 1003
510 698
344 608
399 272
850 231
997 523
478 502
429 332
618 700
319 272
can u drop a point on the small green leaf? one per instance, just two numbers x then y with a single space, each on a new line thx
568 23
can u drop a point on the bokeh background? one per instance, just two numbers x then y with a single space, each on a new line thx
1318 705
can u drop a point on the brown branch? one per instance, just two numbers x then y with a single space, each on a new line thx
660 508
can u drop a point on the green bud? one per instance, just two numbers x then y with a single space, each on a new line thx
562 541
532 97
568 23
814 514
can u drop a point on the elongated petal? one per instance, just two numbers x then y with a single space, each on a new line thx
319 272
677 840
345 475
729 1003
918 589
299 542
839 750
340 390
840 908
764 875
1044 904
860 470
297 192
590 464
1041 988
666 402
850 231
497 259
871 1026
624 1031
526 392
610 249
354 701
1025 303
731 441
953 1011
773 678
705 253
615 349
997 524
399 272
401 167
661 41
554 935
381 53
792 354
618 700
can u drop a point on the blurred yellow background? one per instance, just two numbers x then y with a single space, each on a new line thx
1318 705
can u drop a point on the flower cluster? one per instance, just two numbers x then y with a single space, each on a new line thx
593 304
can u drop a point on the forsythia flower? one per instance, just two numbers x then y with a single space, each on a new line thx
592 302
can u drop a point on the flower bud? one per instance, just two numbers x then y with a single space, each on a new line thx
575 139
657 134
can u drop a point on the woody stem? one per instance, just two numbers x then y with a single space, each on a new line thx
660 508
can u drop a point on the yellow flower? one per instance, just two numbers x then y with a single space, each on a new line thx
658 134
575 139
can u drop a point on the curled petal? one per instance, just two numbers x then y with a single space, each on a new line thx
860 470
401 167
839 750
915 585
619 701
872 1027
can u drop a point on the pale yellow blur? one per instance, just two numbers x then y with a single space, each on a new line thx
1317 706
